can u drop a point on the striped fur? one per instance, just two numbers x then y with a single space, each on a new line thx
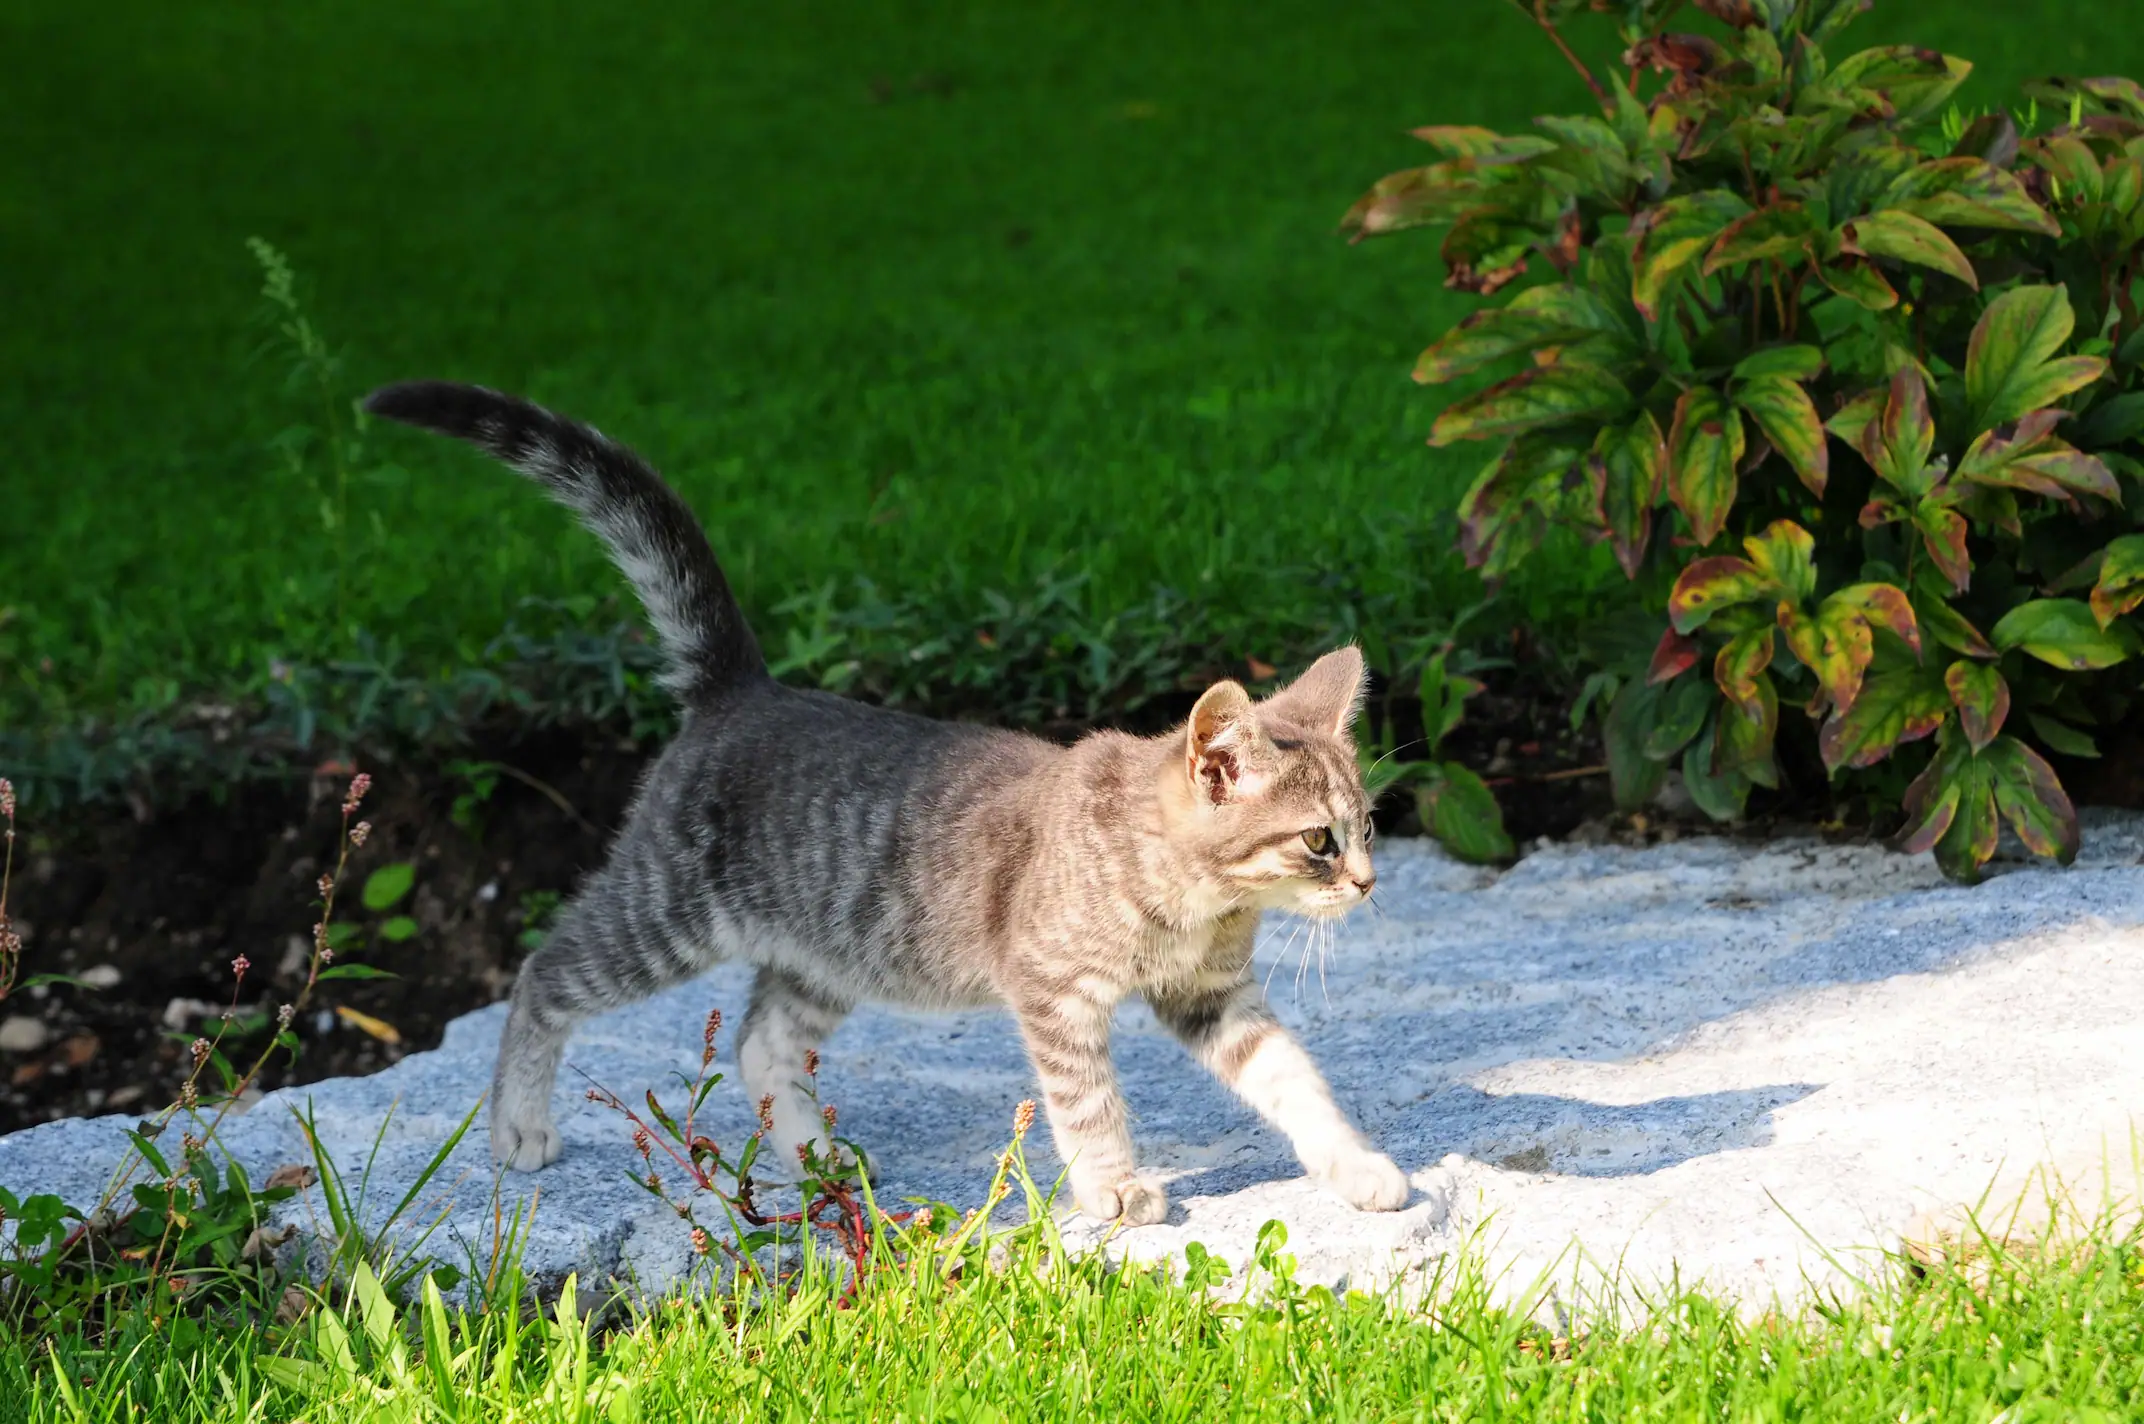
851 853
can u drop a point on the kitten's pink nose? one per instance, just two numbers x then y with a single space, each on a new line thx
1364 884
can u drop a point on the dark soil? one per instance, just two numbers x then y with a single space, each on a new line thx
156 909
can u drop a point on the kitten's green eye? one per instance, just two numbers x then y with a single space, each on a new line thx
1321 841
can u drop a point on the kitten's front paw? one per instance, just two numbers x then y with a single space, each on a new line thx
528 1145
1133 1201
1369 1180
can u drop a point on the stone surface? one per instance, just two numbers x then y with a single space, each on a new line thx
1752 1065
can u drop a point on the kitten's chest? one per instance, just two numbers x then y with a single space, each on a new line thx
1182 956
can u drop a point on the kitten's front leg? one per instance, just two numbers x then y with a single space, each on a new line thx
1228 1028
1067 1034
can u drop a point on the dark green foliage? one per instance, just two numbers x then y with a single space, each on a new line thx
1845 377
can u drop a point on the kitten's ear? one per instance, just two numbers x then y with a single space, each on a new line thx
1218 742
1328 695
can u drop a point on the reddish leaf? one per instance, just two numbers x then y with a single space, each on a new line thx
1675 656
1704 449
1709 585
1983 700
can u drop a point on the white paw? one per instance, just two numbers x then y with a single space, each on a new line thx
1134 1201
526 1145
1370 1181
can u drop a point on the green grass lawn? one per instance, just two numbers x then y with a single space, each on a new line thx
946 297
2059 1339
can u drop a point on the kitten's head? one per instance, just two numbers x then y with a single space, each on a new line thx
1279 811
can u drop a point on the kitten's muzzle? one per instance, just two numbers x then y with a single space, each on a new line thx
1363 884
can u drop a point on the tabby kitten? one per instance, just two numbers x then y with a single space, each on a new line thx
851 853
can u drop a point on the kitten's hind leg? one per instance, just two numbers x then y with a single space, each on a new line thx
597 957
786 1023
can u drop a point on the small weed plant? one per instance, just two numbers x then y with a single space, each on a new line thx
1850 380
181 1235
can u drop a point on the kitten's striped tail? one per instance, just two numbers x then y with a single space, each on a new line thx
650 530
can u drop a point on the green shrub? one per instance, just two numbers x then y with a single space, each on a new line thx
1848 380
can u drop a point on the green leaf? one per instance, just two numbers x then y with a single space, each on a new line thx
1744 741
2062 737
2121 579
1546 395
1968 192
1740 665
2010 365
1633 776
1853 419
1915 81
1418 197
2032 800
1982 699
1782 231
1537 317
2114 421
400 928
1461 812
1903 237
1857 280
1671 236
1971 839
2029 457
2063 633
355 971
1785 553
1943 532
1931 802
1499 515
1835 645
387 885
1883 605
1897 444
1627 469
1684 704
1903 705
1709 585
1793 363
1719 794
1705 450
1788 418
